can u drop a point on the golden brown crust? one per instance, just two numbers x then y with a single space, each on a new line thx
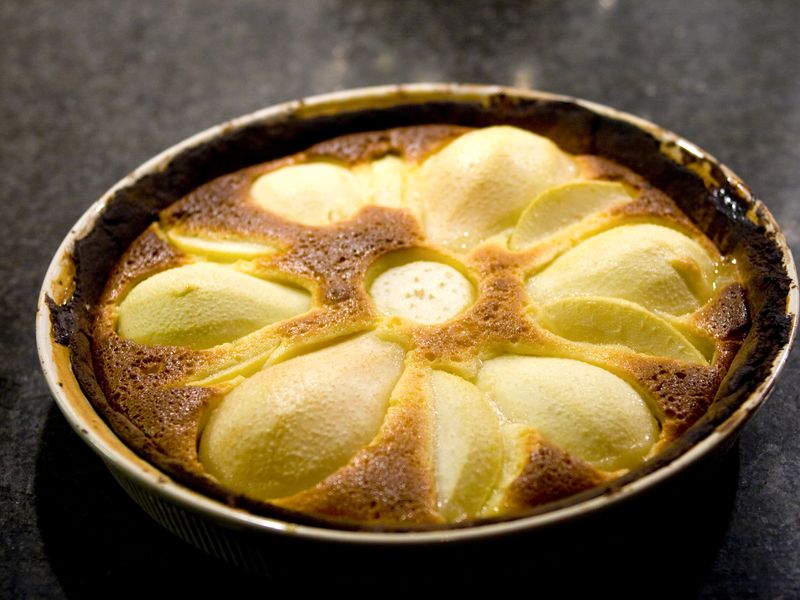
726 318
549 474
338 256
682 392
389 481
138 382
413 143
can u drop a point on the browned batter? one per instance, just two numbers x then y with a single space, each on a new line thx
389 482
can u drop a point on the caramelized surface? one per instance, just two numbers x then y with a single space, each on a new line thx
585 264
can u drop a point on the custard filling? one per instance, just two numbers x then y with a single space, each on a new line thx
429 337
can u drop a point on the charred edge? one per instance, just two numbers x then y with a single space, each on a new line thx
62 321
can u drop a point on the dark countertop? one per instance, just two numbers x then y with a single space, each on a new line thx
91 89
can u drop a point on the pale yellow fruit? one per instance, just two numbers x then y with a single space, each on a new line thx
422 291
581 408
383 181
565 205
316 193
613 321
292 424
654 266
516 454
479 184
219 250
204 304
468 445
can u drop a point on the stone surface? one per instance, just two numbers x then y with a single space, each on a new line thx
91 89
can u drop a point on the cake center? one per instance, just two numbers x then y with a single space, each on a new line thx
423 291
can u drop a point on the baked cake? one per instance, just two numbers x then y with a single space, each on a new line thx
422 326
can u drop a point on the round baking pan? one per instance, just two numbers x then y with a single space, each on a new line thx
717 201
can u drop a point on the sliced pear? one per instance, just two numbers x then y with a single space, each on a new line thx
383 181
468 446
315 193
204 304
422 291
564 205
654 266
583 409
613 321
219 249
699 338
291 425
479 184
237 368
516 453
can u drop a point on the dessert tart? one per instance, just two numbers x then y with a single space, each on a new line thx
422 325
446 311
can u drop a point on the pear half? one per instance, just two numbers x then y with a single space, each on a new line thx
583 409
314 193
651 265
468 445
479 184
204 304
294 423
565 205
383 181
